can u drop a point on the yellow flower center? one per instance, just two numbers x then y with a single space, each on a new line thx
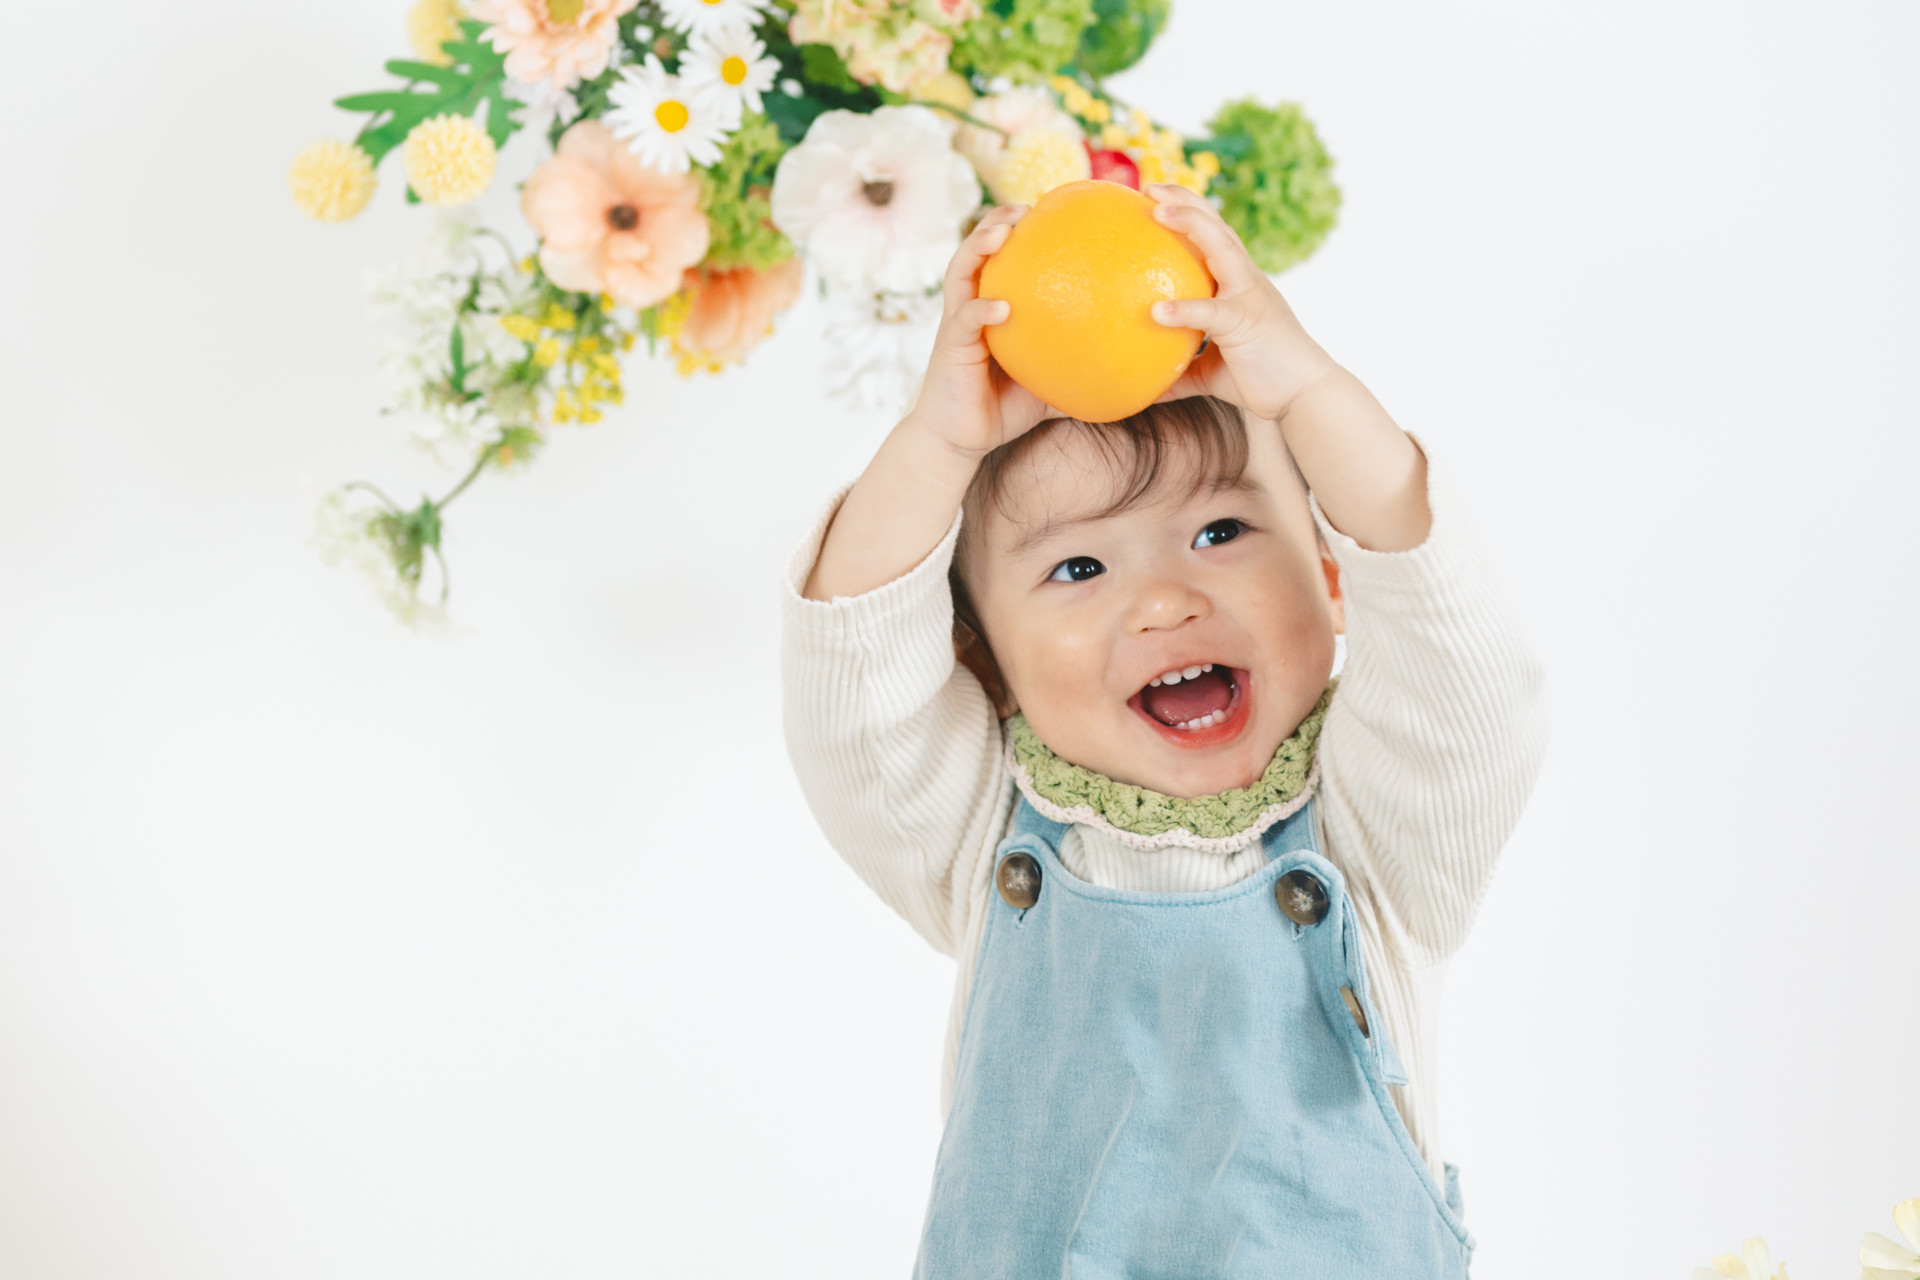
734 70
563 11
671 115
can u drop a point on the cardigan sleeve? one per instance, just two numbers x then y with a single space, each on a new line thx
1438 730
895 744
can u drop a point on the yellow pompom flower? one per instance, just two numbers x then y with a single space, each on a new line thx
1037 161
449 159
331 180
430 24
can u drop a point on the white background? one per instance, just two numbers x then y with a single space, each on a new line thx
330 951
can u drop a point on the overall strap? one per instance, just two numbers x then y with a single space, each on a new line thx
1029 821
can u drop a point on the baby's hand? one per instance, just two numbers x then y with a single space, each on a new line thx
966 399
1258 355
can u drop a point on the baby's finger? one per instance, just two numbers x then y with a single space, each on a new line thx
1226 257
1188 313
989 235
970 317
1174 193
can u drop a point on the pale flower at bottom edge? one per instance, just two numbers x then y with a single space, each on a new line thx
1884 1259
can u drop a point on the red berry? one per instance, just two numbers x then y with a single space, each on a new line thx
1114 166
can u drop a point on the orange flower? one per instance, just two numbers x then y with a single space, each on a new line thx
609 224
731 312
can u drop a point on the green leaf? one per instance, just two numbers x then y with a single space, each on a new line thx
1228 146
457 353
500 122
477 76
446 77
387 100
822 65
792 116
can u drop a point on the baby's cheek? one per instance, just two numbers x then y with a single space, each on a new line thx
1072 669
1067 692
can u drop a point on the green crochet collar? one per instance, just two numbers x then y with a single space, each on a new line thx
1069 793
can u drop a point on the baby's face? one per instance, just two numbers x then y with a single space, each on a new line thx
1173 645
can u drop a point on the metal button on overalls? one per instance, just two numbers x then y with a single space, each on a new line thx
1176 1085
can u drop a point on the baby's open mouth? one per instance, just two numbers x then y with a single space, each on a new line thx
1192 698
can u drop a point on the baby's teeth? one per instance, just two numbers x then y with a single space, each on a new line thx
1172 677
1192 671
1154 683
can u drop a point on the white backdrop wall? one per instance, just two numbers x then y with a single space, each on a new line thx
327 951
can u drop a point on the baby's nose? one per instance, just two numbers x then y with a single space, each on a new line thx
1168 603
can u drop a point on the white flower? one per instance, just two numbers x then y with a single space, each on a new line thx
710 15
462 283
662 122
1884 1259
1756 1264
880 344
345 535
876 199
727 65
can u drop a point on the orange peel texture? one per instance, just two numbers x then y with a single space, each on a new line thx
1080 273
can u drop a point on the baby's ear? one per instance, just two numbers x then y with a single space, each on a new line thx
1336 600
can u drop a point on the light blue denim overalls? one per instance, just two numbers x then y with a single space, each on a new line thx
1170 1086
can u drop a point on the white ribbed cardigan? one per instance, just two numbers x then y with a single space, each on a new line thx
1430 747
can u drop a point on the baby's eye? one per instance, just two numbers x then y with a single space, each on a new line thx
1076 569
1218 532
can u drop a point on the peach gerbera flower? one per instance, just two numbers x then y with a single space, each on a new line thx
609 224
732 311
564 41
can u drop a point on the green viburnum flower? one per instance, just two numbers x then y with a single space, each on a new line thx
1120 34
1275 182
1024 40
735 197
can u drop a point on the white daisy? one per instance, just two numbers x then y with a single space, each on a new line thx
663 122
728 65
710 15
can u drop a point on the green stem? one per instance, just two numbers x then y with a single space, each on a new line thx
362 484
952 110
486 456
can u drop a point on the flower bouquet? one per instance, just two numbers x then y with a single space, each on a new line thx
696 154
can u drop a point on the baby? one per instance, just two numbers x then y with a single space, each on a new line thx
1061 694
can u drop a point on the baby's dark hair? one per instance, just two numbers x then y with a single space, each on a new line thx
1206 435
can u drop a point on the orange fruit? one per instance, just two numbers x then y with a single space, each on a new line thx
1081 272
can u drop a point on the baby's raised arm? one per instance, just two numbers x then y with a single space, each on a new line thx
910 492
1368 475
894 742
1433 743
